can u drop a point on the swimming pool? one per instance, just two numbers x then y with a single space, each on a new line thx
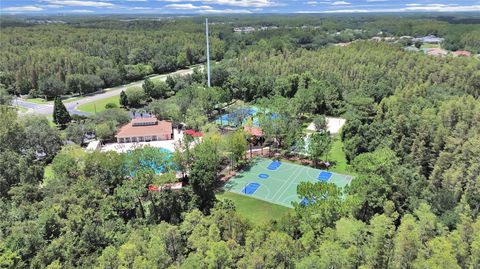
160 160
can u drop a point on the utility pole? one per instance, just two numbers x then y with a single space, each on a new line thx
208 52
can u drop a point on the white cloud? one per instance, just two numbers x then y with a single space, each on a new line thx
23 9
78 3
225 11
426 8
186 6
373 1
80 11
338 3
52 6
236 3
314 3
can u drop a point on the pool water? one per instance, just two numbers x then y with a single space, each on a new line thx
149 161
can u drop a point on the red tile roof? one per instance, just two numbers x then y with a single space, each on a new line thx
193 133
462 53
161 128
256 131
139 120
437 52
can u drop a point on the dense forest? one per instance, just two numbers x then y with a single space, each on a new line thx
412 138
83 55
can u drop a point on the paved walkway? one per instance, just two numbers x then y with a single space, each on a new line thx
47 109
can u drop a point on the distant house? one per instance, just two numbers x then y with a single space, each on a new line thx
462 53
246 29
430 39
343 44
145 130
437 52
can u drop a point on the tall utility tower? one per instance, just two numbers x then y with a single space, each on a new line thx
208 52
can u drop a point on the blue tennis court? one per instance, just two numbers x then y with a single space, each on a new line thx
263 176
238 116
274 165
281 185
251 188
305 201
324 176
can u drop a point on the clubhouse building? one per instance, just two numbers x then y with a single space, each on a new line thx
145 130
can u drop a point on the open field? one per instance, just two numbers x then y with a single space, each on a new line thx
257 211
99 105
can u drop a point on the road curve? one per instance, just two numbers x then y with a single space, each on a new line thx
47 109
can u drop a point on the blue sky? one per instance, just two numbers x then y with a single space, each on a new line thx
231 6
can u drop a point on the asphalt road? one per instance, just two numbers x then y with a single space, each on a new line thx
47 109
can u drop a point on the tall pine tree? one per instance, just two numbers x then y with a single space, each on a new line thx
149 87
60 114
123 99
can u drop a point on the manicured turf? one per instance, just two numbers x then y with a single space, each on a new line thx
281 185
47 174
338 158
99 105
40 101
21 109
257 211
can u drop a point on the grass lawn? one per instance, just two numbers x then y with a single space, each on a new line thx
21 109
257 211
99 105
40 101
337 155
73 99
47 174
50 121
429 46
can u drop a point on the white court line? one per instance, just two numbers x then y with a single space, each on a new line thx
295 181
288 197
266 188
288 182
